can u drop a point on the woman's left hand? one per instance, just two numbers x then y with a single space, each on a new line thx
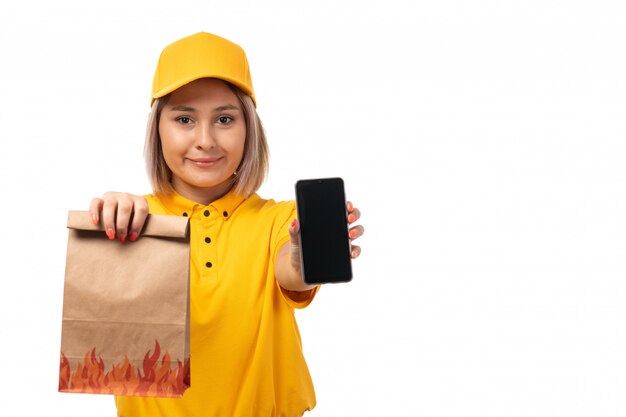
288 268
354 233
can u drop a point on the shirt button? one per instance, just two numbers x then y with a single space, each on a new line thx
207 239
185 214
209 264
225 214
206 213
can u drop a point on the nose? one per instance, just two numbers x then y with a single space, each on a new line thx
205 137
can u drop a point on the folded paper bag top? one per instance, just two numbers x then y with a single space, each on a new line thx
157 225
126 310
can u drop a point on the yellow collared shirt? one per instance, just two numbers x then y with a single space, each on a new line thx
245 347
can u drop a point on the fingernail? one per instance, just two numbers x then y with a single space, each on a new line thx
133 236
351 218
352 234
353 254
293 223
110 234
122 238
94 218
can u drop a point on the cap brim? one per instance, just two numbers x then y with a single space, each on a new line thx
175 86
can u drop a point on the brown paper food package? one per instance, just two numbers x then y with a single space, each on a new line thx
126 310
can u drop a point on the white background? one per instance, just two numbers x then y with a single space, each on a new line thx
484 141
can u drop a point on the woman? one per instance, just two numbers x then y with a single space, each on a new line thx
207 155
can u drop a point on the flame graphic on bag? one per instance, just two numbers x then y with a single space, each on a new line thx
157 378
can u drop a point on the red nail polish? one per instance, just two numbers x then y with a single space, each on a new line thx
293 223
133 236
110 234
122 238
95 219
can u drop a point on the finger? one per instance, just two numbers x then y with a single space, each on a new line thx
109 209
294 244
94 208
349 206
354 215
355 251
356 232
122 221
294 229
140 214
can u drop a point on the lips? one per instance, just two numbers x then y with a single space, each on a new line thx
204 162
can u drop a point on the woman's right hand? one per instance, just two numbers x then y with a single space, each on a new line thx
122 214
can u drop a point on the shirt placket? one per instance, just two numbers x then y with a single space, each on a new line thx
209 230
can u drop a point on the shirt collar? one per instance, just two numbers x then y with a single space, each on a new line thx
225 206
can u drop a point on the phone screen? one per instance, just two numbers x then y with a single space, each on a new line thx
324 241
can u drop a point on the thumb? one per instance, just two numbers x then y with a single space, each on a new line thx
294 245
294 233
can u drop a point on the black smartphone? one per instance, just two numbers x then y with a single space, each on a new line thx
324 241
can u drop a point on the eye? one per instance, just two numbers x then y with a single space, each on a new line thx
184 120
224 120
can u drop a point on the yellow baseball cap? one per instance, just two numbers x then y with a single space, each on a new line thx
202 55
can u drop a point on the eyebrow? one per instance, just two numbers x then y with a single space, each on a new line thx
184 108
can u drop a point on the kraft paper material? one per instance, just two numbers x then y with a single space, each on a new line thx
125 324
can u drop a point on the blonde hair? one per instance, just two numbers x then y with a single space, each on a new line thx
252 169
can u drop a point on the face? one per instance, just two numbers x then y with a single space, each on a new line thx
203 133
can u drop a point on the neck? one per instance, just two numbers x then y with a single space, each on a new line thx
201 195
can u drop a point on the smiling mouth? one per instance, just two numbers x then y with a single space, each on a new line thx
204 162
